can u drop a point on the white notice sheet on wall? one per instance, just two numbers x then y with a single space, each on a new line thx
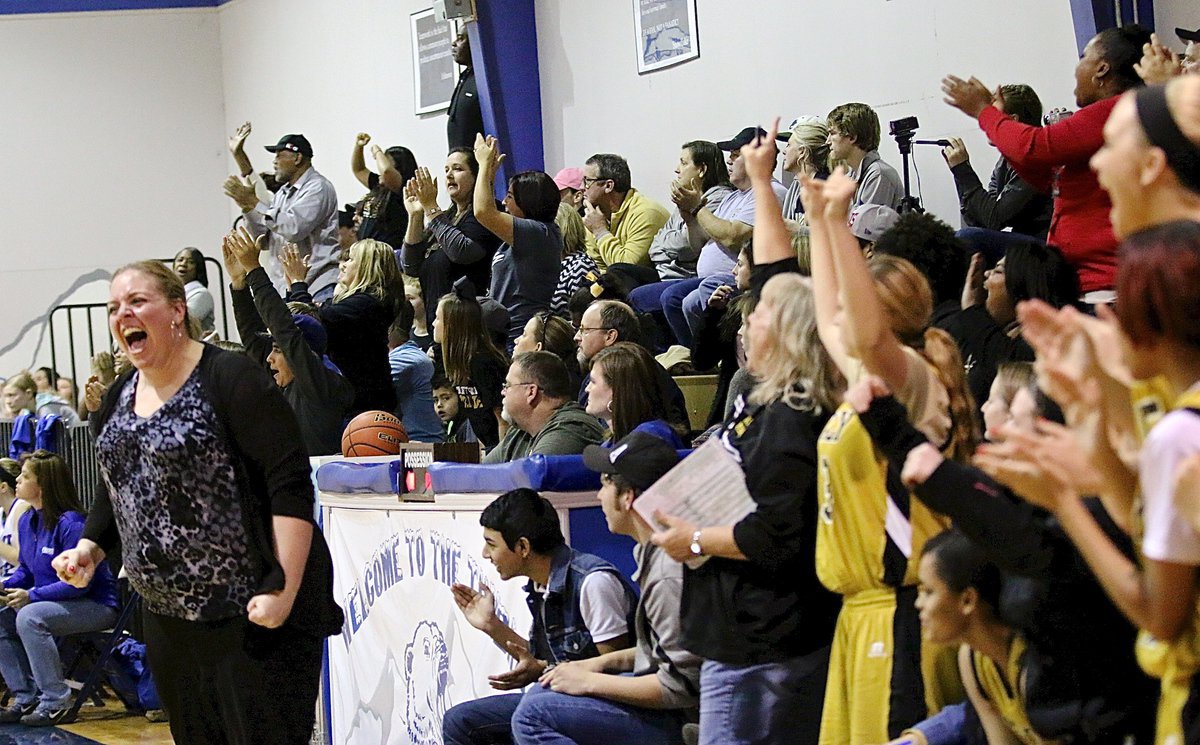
706 488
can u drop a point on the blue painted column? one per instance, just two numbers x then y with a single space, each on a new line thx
505 56
1093 16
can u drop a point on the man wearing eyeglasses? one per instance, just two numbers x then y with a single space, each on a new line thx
621 221
540 406
606 322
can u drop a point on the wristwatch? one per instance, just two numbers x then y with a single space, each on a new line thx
695 547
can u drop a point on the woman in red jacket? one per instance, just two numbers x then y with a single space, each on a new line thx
1055 158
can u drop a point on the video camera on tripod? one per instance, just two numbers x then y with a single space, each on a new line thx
903 131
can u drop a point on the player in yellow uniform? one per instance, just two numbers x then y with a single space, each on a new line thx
873 319
958 597
1158 281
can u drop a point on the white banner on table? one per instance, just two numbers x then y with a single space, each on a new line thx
406 653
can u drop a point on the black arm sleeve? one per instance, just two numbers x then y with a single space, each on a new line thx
249 322
996 207
761 273
309 369
412 256
781 473
1006 527
887 423
269 441
466 242
100 527
298 293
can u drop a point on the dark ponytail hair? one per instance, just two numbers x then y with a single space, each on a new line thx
404 160
707 154
536 194
961 563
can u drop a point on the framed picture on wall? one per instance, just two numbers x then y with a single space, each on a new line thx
434 71
665 32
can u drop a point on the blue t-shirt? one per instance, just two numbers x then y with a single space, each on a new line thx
412 371
525 274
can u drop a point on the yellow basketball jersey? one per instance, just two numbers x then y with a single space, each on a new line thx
1003 689
1174 663
870 530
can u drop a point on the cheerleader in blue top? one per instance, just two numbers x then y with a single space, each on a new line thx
37 606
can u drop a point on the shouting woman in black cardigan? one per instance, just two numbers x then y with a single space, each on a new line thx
206 489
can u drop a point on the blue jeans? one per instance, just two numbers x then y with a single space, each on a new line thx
548 718
484 721
649 298
29 657
671 300
775 702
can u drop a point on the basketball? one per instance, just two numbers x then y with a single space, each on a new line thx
373 433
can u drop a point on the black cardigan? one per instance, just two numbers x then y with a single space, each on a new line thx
770 607
273 476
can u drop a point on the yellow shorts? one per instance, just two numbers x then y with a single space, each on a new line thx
882 679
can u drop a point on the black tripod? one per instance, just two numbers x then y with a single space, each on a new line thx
905 141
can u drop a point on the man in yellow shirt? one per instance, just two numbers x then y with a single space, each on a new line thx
621 221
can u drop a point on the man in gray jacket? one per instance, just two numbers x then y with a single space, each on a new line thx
540 407
293 346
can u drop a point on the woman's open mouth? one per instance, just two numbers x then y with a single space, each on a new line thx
135 340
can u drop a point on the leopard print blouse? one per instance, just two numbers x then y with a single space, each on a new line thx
173 483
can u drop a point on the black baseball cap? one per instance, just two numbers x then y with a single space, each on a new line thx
741 139
640 458
292 143
1186 35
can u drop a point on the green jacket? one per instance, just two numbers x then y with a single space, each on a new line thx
568 431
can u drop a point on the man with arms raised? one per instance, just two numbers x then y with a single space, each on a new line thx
303 212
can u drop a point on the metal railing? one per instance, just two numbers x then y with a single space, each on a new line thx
76 448
95 317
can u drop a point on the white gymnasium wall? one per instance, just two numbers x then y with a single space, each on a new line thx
329 71
762 59
112 150
117 135
1172 14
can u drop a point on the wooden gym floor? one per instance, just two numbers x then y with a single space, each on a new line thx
107 727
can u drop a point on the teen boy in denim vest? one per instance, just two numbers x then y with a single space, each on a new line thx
581 605
640 695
